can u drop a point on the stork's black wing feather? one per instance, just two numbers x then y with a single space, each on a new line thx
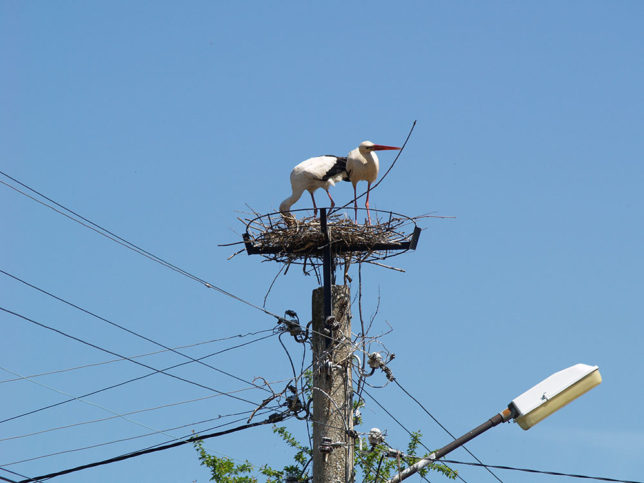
339 167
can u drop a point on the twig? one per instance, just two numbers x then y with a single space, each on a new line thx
386 266
373 317
230 244
272 283
236 253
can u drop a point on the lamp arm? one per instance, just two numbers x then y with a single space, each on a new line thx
501 417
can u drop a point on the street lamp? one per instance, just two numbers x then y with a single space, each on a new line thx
527 410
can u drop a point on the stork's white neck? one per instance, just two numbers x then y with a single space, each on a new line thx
290 201
365 156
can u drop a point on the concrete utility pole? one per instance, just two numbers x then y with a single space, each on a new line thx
332 388
333 435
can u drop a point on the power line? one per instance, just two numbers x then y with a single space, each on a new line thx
543 472
7 479
143 377
129 413
162 371
139 436
114 324
133 380
270 420
444 428
120 359
122 241
13 473
89 403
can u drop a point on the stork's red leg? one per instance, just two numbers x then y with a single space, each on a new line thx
332 202
367 203
315 208
355 203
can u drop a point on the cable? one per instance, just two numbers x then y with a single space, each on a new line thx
130 438
114 324
185 436
139 378
133 380
14 473
116 354
289 356
403 426
444 428
122 241
542 472
120 359
129 413
89 403
270 420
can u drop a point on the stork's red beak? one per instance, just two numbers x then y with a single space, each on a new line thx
380 147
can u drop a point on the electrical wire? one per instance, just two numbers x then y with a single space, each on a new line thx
130 438
162 371
129 413
89 403
542 472
120 359
134 454
444 428
129 331
139 378
6 479
263 412
13 473
122 241
288 355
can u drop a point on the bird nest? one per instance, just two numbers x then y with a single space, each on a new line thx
303 241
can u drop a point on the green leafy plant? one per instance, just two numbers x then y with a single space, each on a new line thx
224 470
376 464
379 464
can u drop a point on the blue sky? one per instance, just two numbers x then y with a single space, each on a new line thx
164 121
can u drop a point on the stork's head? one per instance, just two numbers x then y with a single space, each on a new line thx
368 146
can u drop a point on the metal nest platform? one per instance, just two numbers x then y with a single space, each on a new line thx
305 241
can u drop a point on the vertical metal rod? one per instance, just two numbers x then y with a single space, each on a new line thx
326 265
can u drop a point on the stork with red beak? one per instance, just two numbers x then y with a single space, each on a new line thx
362 165
324 171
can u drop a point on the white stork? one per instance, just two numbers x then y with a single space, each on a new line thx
362 164
319 172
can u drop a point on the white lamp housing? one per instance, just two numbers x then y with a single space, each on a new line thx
553 393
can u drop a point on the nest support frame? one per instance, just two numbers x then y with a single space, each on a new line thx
310 241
